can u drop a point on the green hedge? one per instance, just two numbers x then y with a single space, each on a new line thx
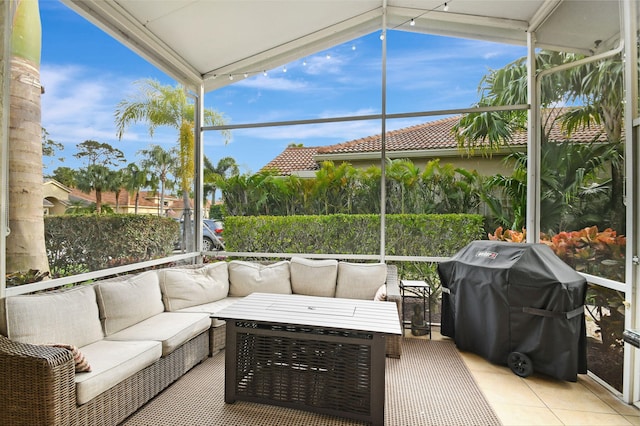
406 234
81 243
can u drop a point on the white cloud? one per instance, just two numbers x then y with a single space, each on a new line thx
275 83
79 104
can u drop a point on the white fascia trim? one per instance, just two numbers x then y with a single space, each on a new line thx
423 16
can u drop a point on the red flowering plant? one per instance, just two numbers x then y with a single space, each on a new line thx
587 250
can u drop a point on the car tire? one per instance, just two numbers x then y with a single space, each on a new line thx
207 244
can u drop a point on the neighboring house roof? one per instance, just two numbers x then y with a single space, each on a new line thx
293 159
431 135
146 199
109 198
427 140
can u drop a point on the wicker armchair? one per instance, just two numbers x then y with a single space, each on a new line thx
37 385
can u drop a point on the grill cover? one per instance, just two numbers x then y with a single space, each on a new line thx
501 297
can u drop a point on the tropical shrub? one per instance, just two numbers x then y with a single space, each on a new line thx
344 189
82 243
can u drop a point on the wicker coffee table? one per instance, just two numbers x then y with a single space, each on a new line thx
319 354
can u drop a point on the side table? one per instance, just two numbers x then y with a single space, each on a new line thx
415 289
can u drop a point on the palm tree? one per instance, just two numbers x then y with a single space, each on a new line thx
115 185
403 176
594 88
25 245
160 163
225 168
97 178
158 105
136 178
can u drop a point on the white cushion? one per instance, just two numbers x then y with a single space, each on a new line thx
111 363
182 288
172 329
314 277
127 302
212 308
248 277
69 316
360 280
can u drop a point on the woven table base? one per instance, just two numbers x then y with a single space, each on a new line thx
429 385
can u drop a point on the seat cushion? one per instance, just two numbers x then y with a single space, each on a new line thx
360 280
182 288
212 308
111 363
69 316
126 302
248 277
172 329
314 277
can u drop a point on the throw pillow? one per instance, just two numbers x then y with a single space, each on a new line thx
314 277
381 294
360 280
182 288
82 365
249 277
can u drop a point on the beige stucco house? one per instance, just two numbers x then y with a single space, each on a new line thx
420 143
58 197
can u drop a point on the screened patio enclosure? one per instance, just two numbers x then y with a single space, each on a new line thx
201 44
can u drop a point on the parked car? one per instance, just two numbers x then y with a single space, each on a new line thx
211 235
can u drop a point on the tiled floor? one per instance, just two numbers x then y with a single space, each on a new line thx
540 400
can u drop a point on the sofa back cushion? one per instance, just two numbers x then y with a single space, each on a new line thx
249 277
360 280
126 302
314 277
69 316
183 288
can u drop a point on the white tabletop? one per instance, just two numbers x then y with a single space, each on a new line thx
413 283
329 312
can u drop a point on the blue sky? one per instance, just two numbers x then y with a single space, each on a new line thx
86 73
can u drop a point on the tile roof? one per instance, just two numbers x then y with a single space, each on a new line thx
146 199
433 135
292 159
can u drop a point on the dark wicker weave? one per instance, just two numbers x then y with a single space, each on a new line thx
37 385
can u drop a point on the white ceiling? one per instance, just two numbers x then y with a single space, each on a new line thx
196 40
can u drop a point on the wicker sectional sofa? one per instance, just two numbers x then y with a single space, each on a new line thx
139 333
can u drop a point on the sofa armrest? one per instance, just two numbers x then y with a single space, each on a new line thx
36 384
394 343
393 289
393 286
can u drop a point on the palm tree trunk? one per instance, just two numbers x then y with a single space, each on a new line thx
161 204
188 227
25 244
98 201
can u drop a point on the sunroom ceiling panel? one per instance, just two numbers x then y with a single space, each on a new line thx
587 26
193 40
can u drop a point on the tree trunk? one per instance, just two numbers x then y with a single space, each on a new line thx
25 243
98 201
188 225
